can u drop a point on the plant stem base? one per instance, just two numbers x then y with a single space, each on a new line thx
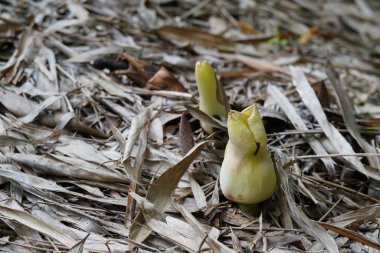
252 209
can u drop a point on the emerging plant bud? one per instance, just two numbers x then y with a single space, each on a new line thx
212 99
247 175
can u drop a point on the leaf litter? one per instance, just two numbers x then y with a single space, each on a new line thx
101 147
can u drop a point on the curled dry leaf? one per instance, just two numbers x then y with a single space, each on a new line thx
164 80
136 71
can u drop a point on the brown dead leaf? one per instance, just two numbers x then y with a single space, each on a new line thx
323 95
305 37
195 36
247 28
185 135
164 80
136 71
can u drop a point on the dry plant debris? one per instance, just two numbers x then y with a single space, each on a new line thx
101 147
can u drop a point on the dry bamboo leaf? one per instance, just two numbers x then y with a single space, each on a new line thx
38 109
18 105
357 217
32 222
188 35
77 10
79 247
348 114
311 101
81 171
352 235
95 54
151 214
160 191
21 106
306 224
198 193
299 124
80 149
70 122
235 242
24 53
181 226
60 25
203 117
12 141
113 88
156 131
214 245
34 182
254 63
21 230
166 231
138 122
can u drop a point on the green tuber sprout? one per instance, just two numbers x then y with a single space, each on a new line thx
212 99
247 175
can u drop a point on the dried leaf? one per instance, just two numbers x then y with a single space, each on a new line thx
298 216
355 218
299 124
79 247
323 95
29 220
198 193
6 141
185 135
311 101
136 71
203 117
164 80
192 35
95 54
54 167
352 235
254 63
38 109
160 191
348 114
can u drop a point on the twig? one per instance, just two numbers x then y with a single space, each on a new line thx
329 211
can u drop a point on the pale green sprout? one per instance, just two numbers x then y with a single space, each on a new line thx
247 175
212 99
